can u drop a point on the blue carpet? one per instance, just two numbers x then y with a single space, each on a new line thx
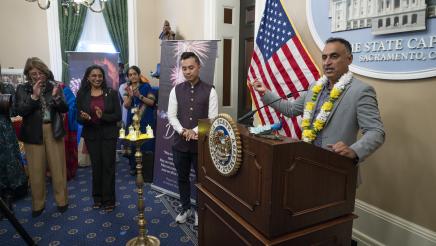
83 225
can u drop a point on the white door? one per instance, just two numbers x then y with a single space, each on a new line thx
222 23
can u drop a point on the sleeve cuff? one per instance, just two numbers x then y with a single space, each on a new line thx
356 160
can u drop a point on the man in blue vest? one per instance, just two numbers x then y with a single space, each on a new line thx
188 102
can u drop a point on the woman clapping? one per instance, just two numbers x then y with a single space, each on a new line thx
99 111
41 103
139 95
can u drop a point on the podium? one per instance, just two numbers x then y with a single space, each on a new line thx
286 192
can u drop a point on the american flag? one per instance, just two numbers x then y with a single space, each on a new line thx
281 61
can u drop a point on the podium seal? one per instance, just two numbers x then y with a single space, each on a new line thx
225 145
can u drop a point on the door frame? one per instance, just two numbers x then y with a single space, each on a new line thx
212 31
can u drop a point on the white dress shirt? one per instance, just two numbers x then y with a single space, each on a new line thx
172 109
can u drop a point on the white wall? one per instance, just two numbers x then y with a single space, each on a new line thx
24 33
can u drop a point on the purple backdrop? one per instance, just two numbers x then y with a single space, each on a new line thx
79 61
165 174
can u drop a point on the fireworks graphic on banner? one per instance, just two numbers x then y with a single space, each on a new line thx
75 85
200 48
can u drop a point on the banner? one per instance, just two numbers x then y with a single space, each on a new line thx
79 61
165 173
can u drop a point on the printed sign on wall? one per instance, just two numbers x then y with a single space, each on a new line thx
391 39
165 174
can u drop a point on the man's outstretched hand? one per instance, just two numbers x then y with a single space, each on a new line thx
259 86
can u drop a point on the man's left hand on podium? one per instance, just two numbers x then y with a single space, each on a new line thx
342 149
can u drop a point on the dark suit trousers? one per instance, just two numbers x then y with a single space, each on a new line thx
102 154
183 162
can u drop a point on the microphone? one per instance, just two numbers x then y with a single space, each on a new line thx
252 112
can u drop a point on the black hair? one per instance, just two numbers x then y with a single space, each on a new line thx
85 85
342 41
136 68
50 76
187 55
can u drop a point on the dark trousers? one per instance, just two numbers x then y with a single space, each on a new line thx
102 154
183 162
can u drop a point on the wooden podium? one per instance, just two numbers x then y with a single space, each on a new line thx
285 193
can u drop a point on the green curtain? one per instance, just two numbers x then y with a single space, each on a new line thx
115 16
70 28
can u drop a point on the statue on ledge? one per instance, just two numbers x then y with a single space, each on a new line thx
166 33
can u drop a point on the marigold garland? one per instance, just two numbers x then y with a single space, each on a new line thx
310 132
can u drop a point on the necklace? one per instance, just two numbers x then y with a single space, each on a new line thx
311 131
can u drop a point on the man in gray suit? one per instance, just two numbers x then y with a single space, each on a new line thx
335 107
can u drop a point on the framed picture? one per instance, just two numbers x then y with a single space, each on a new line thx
13 76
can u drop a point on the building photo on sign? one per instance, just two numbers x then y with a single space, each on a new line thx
391 39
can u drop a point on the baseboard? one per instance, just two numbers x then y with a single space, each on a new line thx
364 240
169 193
378 227
165 191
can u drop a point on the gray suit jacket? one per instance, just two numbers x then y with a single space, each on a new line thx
356 109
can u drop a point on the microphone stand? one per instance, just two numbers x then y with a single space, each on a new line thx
20 229
249 116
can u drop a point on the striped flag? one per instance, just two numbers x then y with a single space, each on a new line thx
281 61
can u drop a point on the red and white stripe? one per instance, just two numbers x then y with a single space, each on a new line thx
290 69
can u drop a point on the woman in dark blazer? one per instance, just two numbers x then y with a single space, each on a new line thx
41 103
98 110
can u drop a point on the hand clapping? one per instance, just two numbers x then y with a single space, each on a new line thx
36 89
55 91
85 115
98 112
136 93
129 91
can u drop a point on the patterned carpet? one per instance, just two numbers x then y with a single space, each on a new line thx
82 225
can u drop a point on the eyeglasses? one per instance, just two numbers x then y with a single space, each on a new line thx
36 74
